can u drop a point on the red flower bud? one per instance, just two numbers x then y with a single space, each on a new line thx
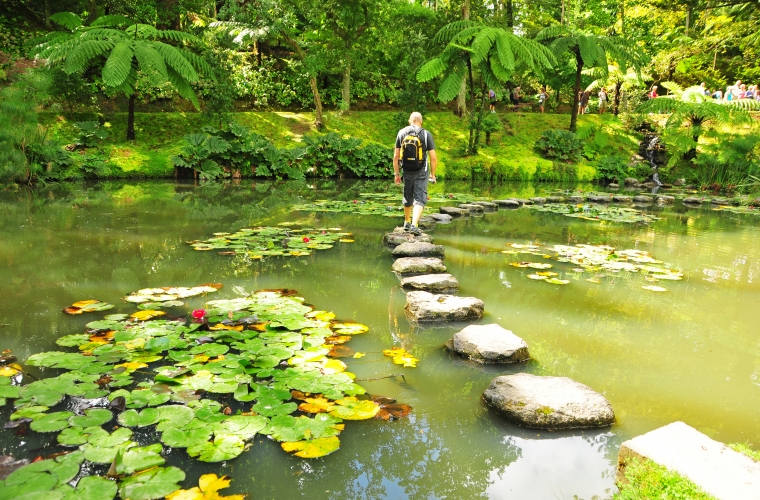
199 313
305 239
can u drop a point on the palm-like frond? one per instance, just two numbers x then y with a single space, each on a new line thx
482 44
431 69
68 20
111 21
745 104
142 31
676 89
451 85
447 33
151 63
78 56
177 36
175 60
118 64
182 86
199 63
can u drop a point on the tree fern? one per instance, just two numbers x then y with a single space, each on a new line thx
111 21
151 63
174 59
119 64
447 33
431 69
451 85
68 20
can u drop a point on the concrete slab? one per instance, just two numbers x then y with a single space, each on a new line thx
720 471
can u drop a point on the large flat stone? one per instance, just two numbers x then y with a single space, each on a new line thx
418 249
595 198
523 201
424 306
418 265
454 211
665 199
436 283
555 199
693 201
486 204
489 344
720 471
473 208
621 198
508 203
548 402
575 199
538 200
642 199
440 218
398 236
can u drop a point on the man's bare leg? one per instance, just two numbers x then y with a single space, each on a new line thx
408 214
416 214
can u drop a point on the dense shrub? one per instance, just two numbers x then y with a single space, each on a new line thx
611 167
560 145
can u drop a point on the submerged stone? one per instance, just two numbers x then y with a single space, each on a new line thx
548 402
418 265
425 306
642 199
717 469
486 205
427 223
621 198
440 218
438 283
489 344
418 249
693 201
398 236
665 199
538 200
454 211
575 199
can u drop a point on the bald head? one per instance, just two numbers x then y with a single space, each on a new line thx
415 119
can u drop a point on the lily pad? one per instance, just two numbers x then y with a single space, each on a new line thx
352 409
133 418
51 422
136 458
153 484
207 489
312 448
401 357
223 447
92 417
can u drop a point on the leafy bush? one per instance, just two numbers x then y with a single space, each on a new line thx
491 123
328 155
611 168
560 145
373 160
200 152
90 132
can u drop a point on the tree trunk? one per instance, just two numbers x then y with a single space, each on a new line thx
488 138
577 89
471 141
622 17
461 110
510 14
616 101
131 119
317 104
346 90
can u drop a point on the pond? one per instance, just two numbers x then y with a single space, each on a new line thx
691 353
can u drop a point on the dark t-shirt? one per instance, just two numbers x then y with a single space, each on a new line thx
428 144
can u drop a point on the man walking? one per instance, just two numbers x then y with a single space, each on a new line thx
413 145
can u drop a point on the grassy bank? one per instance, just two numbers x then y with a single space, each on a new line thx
510 156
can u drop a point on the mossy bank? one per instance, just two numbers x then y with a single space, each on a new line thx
510 156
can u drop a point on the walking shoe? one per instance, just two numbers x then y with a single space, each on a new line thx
407 226
415 230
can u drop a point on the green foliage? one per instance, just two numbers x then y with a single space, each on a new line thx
747 450
560 145
90 133
645 480
611 168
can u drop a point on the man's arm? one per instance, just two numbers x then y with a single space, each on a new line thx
396 172
433 165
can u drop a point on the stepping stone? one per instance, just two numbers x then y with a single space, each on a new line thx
473 208
427 223
440 218
630 181
717 469
555 199
454 211
486 204
598 199
612 185
424 306
510 203
575 199
398 236
621 198
418 265
418 250
437 283
720 201
693 201
538 200
524 201
666 200
642 199
548 402
489 344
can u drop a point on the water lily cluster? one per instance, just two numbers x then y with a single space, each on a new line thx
260 364
256 243
597 212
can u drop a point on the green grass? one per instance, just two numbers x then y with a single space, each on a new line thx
646 480
509 157
744 448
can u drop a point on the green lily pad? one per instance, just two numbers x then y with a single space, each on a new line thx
223 447
133 418
92 417
353 409
186 437
242 426
51 422
94 488
74 340
174 416
156 483
132 459
75 436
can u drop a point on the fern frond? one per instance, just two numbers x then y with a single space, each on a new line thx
695 94
178 36
552 32
182 86
746 104
145 31
150 62
673 87
79 55
430 70
481 45
119 64
175 60
504 54
447 33
466 34
451 85
111 21
68 20
499 71
489 78
103 34
199 63
589 49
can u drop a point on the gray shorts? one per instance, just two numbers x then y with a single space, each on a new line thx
415 188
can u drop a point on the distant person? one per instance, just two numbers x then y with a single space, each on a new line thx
703 87
585 97
718 95
653 92
542 97
580 102
492 99
515 97
413 145
602 101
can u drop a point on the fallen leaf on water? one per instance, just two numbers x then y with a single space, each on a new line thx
547 273
401 357
359 355
207 489
312 448
555 281
146 315
653 288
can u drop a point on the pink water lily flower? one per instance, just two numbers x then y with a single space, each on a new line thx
199 313
306 240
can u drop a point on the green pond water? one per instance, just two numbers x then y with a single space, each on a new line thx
690 354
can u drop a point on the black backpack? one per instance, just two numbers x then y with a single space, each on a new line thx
412 152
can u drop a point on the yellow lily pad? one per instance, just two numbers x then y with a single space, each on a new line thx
312 448
146 315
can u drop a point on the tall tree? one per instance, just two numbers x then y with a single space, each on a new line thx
482 56
590 51
122 49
